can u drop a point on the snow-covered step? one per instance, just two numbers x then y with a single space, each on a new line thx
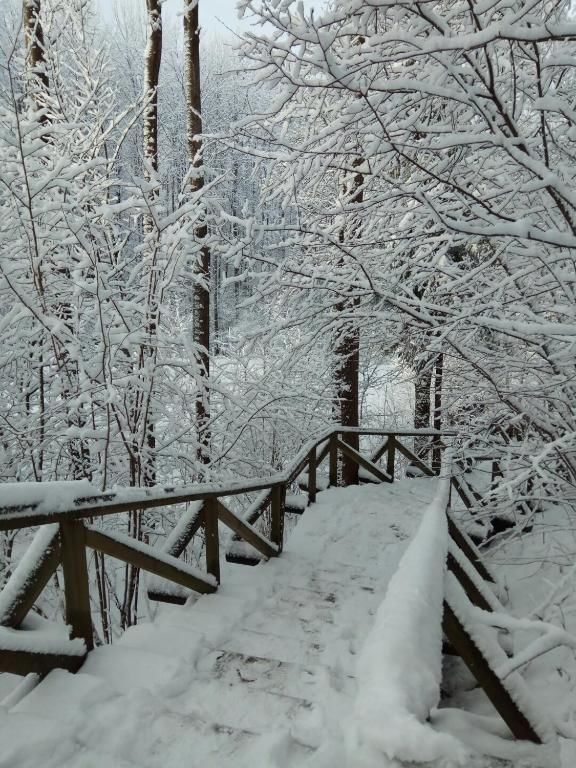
277 624
330 581
288 649
176 642
32 741
125 668
64 696
291 679
322 483
234 705
296 503
257 672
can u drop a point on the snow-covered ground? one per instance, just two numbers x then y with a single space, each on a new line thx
273 671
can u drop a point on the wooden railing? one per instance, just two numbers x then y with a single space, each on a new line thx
64 536
469 602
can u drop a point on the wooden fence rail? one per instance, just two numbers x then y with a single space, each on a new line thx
64 537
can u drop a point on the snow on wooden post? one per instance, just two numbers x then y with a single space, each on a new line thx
334 460
76 590
211 538
312 476
278 494
391 456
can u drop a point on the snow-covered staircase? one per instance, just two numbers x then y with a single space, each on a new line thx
259 673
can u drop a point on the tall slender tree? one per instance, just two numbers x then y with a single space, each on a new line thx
347 343
201 270
152 61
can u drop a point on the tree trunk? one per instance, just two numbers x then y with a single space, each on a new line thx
153 58
152 61
347 355
34 38
202 282
438 381
422 407
347 346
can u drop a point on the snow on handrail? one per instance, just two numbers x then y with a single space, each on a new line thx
400 666
28 504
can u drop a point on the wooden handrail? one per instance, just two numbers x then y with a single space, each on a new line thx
67 539
130 500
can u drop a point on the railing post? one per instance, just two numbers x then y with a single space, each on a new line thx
278 502
76 589
211 542
312 476
333 461
391 456
437 455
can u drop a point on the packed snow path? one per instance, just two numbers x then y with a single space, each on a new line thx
262 673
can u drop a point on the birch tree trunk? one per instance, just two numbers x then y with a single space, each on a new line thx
202 273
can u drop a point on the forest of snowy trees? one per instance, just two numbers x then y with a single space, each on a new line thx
214 247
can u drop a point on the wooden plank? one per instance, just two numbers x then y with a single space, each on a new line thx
184 530
175 543
320 456
455 483
246 532
364 463
33 576
472 592
304 457
26 662
411 456
256 511
143 556
312 476
76 585
253 514
278 509
212 546
379 452
478 498
165 596
110 504
467 547
487 679
297 470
